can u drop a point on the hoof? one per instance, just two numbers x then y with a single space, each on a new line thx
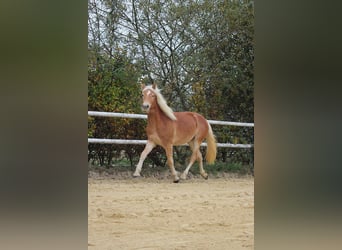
176 177
205 176
136 176
183 176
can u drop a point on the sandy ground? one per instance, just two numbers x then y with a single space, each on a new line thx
148 213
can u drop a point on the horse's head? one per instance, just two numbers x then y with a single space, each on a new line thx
149 97
152 98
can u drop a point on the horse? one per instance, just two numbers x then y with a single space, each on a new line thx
167 129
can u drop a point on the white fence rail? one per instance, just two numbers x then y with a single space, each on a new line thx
139 116
124 115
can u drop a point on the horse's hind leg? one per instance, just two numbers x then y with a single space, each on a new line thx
196 155
193 146
148 148
200 161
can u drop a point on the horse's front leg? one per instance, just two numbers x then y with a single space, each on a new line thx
148 148
169 155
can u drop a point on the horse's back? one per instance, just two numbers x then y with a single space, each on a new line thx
190 118
189 125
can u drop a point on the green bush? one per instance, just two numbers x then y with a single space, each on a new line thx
201 54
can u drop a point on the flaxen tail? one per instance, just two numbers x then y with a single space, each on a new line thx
211 147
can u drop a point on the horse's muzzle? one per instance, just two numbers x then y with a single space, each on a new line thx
145 107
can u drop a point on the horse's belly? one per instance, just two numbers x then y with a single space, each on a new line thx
185 130
182 139
174 140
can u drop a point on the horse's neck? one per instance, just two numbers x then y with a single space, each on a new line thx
156 116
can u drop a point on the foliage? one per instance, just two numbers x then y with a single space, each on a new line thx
200 53
112 87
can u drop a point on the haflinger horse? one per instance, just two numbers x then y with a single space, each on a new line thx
167 129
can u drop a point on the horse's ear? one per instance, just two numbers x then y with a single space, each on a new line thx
154 86
142 86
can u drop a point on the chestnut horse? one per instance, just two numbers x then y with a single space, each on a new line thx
167 128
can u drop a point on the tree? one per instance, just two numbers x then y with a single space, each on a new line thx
199 52
112 87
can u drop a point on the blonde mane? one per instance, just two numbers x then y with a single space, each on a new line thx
162 103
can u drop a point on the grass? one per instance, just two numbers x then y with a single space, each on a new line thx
215 169
223 167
